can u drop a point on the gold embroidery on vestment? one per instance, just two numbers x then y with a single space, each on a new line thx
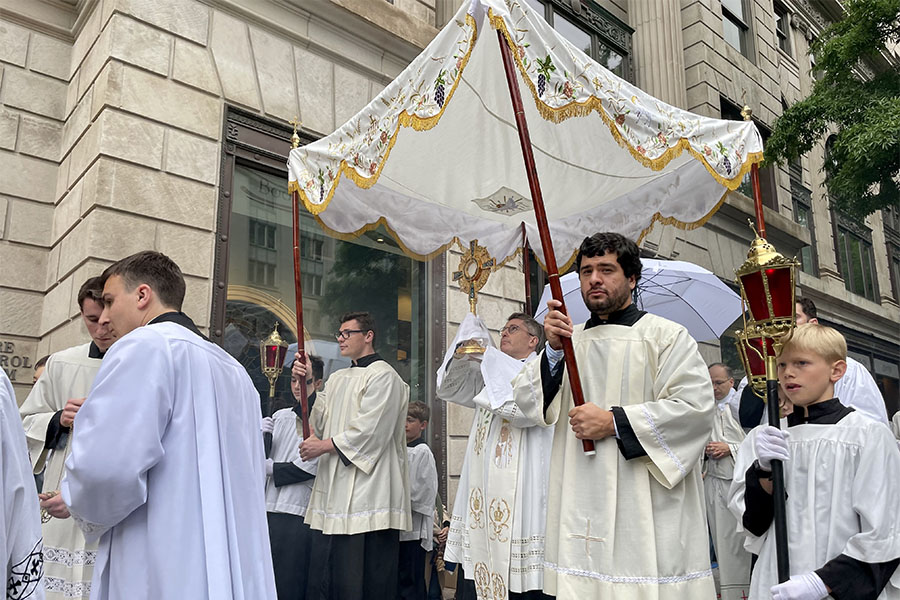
500 514
476 509
482 581
503 453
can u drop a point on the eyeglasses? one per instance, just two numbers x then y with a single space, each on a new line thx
345 333
511 329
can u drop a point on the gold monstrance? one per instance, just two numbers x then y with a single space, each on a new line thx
474 269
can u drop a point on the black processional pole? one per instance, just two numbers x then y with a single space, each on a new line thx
767 281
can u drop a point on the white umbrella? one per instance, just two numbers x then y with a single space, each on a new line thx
677 290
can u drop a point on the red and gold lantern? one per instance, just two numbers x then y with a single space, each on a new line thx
271 357
767 281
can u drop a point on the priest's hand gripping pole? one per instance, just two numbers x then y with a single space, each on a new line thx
298 294
772 403
542 224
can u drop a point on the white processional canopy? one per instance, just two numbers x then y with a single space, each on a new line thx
436 159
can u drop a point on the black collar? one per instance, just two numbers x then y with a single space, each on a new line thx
821 413
415 442
179 318
95 352
310 400
365 361
628 316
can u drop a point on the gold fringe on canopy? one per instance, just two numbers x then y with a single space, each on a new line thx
405 120
594 104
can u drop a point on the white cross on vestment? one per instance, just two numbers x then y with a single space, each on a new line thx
587 538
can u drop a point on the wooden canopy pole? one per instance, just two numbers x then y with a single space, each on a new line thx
298 294
542 224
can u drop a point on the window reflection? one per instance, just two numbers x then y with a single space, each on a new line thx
368 272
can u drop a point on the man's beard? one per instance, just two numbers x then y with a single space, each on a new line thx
616 299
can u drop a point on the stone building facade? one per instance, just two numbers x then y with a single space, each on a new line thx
135 124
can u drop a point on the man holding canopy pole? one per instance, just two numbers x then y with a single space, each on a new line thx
628 523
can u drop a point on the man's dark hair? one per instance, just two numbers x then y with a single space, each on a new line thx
318 366
365 319
41 362
531 326
728 370
627 253
93 289
154 269
809 307
419 410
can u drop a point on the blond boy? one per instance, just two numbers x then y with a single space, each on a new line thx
842 476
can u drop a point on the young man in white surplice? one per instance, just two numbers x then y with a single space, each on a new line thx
47 414
360 499
166 466
630 521
497 528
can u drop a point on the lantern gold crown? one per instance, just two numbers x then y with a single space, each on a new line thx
767 280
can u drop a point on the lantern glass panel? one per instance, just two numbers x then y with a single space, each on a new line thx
755 293
272 353
781 289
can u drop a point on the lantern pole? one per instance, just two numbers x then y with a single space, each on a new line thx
542 223
298 295
774 331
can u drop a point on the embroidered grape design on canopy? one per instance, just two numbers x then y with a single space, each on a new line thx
545 67
439 89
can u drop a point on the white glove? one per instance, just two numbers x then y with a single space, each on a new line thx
808 586
266 425
270 467
771 444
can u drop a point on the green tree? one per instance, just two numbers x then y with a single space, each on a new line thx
863 163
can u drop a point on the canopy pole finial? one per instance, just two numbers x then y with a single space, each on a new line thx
747 113
295 138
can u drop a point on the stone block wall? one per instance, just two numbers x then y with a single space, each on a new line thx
110 142
34 74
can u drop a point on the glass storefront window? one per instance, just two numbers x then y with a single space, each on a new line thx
365 273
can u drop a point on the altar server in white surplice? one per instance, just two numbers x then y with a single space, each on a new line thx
842 478
727 435
628 523
497 527
296 549
47 415
360 499
20 521
166 467
857 388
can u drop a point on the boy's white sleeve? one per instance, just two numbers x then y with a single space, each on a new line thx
745 458
422 479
